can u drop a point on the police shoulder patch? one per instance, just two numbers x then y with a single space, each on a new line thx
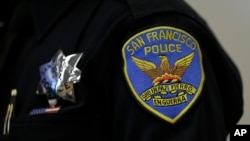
163 68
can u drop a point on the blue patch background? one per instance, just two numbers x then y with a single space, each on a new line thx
141 82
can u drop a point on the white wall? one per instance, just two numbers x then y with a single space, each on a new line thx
230 21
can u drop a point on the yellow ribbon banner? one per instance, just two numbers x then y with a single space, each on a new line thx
170 101
171 88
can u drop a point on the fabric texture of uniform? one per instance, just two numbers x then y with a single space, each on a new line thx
105 107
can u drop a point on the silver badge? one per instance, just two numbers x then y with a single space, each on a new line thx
58 77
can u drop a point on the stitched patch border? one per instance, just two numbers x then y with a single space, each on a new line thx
164 71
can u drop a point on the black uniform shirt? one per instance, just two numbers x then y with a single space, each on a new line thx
150 70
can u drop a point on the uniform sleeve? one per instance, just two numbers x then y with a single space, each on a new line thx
177 81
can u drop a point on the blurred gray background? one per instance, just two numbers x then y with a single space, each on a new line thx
230 21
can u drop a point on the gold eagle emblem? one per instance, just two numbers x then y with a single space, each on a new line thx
164 73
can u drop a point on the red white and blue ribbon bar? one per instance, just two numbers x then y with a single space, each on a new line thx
46 110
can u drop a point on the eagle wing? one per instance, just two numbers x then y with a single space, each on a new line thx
143 64
147 67
182 64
